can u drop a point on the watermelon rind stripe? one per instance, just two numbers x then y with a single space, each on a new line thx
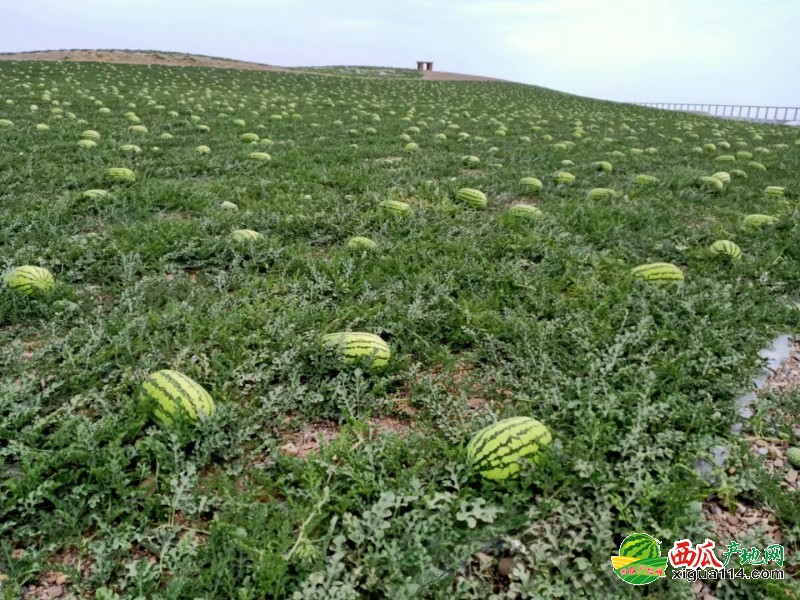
476 445
516 448
481 445
181 383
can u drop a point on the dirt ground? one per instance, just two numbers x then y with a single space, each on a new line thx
170 59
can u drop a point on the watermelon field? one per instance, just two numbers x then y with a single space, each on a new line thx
201 222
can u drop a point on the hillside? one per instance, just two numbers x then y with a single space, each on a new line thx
254 325
177 59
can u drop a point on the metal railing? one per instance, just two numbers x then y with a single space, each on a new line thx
759 114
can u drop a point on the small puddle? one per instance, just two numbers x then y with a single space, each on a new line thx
775 355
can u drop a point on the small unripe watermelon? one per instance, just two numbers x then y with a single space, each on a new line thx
793 456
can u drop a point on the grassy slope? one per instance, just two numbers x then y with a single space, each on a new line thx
537 318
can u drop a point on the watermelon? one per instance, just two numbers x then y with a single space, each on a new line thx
722 176
395 207
6 123
249 137
170 395
793 455
121 174
360 242
495 451
531 184
711 183
353 345
137 129
29 279
526 211
754 221
640 546
564 177
727 248
90 134
603 165
93 194
245 235
601 194
202 149
658 272
227 205
130 148
471 197
645 180
87 143
757 165
774 191
260 156
725 158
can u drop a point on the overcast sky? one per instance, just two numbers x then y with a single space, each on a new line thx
709 51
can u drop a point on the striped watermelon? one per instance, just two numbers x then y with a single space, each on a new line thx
137 129
640 546
354 345
725 158
395 207
472 197
90 134
531 184
754 221
603 165
249 137
658 272
361 242
601 194
121 174
260 156
793 455
774 191
722 176
130 148
645 180
526 211
726 247
87 144
495 451
29 279
245 235
757 165
564 177
203 149
5 123
170 395
227 205
711 183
